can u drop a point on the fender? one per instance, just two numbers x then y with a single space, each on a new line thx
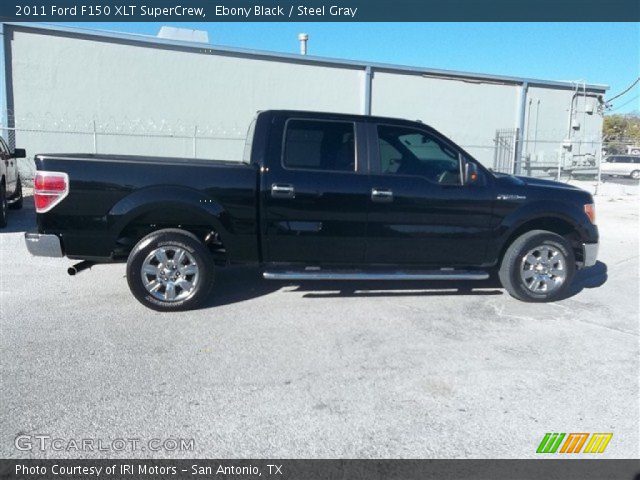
195 208
539 210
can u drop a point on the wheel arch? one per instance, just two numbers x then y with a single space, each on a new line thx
155 208
559 224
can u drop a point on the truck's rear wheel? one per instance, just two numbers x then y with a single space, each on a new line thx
538 267
170 270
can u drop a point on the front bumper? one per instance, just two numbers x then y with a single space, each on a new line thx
42 245
589 254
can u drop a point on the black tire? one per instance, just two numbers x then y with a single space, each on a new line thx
17 200
635 174
513 263
175 239
3 205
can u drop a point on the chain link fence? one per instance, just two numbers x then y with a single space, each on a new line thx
506 152
51 134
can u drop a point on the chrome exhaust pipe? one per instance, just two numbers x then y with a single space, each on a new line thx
78 267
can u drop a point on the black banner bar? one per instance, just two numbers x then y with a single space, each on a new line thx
547 469
319 11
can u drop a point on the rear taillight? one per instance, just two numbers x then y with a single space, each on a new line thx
49 188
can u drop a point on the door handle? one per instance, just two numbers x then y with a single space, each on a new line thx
382 196
282 191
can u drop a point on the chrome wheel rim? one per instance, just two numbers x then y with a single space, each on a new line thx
170 273
543 269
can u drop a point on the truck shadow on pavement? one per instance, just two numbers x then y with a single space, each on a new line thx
23 220
238 284
592 277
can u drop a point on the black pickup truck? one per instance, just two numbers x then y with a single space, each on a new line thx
318 196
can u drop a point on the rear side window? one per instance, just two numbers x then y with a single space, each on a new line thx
320 145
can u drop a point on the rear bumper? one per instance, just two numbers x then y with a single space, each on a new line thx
42 245
589 254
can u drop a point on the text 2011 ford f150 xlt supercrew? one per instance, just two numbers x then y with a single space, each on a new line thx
318 196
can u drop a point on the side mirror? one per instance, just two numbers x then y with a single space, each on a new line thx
470 173
19 153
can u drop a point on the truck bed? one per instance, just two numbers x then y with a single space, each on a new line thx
105 191
141 159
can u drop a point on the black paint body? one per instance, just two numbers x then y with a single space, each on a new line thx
330 221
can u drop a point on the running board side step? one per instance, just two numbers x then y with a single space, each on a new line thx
382 275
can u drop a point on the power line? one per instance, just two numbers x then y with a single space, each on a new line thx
625 103
624 91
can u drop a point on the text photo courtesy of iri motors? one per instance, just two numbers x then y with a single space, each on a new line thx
353 247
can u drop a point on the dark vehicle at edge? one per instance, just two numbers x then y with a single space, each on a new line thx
319 196
10 182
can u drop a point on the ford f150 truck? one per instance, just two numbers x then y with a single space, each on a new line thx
319 196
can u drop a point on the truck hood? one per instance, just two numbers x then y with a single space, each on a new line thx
542 189
505 179
539 182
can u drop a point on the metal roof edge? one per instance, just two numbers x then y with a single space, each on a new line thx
288 57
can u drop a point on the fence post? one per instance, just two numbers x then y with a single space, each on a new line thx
599 160
195 138
495 151
560 164
95 138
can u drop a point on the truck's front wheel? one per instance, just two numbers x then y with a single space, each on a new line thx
170 270
538 267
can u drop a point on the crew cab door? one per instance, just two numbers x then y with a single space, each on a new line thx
421 212
315 192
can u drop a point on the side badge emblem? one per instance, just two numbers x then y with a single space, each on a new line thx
504 196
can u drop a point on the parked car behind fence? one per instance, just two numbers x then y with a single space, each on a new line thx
621 165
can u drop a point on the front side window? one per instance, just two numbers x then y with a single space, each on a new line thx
405 151
320 145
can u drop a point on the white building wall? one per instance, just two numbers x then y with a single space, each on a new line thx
468 112
547 127
145 99
66 83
